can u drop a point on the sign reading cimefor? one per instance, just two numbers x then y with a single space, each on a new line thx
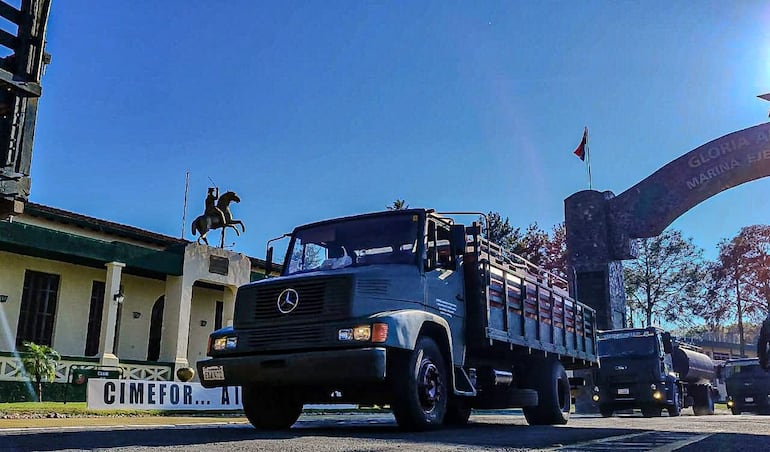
159 395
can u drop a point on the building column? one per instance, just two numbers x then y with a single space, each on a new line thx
229 308
107 355
176 322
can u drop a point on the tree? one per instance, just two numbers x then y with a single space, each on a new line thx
555 258
499 230
666 278
39 362
398 204
739 286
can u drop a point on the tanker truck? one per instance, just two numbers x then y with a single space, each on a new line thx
643 368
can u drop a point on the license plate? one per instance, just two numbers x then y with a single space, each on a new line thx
623 391
749 399
213 373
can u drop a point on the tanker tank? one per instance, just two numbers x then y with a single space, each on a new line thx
693 367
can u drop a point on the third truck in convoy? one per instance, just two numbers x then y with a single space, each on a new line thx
405 308
643 368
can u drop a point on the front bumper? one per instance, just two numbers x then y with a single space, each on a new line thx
632 395
347 366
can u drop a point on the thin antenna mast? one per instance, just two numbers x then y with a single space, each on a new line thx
184 209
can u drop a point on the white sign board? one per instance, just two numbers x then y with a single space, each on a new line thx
106 394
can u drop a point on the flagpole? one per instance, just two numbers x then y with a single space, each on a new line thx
588 161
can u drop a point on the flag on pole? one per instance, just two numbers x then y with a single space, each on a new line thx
580 151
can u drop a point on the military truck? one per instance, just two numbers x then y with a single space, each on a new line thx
643 368
748 386
408 309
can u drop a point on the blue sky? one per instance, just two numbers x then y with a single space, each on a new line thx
311 110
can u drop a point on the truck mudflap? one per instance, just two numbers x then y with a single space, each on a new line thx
359 365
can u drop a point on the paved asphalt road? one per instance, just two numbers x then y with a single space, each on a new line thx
378 432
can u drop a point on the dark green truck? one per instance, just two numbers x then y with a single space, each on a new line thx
407 309
748 386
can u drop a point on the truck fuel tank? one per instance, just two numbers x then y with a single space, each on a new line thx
692 366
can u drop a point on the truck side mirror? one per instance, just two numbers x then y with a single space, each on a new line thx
458 239
269 262
667 345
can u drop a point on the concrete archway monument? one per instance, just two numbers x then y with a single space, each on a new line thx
600 226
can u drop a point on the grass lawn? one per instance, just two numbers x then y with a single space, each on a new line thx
46 409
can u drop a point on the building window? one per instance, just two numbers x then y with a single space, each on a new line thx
220 308
38 308
95 318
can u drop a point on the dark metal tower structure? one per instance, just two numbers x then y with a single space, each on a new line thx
21 68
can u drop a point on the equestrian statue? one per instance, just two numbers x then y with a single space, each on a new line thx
217 215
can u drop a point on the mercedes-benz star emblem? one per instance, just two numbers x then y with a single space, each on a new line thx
288 301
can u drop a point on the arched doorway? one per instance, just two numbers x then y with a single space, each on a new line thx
156 329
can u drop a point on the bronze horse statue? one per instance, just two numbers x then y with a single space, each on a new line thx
208 221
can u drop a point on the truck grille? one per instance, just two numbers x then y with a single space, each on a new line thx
319 299
285 338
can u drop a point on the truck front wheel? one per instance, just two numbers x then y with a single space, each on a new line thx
675 409
550 380
420 387
606 410
271 408
458 411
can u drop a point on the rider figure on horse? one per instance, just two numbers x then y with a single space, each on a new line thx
211 208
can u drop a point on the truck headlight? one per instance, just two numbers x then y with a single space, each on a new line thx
730 402
224 343
219 344
595 397
377 332
657 395
362 333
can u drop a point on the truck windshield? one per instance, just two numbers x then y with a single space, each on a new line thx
751 369
356 242
631 346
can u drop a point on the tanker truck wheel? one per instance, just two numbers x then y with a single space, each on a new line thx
704 402
549 379
420 387
271 408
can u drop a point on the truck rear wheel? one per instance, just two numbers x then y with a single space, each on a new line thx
420 387
550 380
271 408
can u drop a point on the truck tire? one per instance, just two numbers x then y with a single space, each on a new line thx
420 387
653 411
458 411
606 410
704 402
675 409
735 410
270 408
550 380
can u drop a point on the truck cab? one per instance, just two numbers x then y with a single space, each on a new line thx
748 386
634 371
